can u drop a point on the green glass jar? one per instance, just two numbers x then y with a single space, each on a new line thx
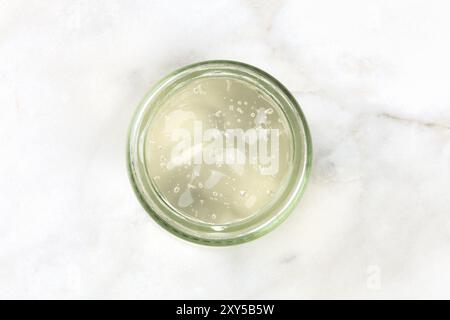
219 152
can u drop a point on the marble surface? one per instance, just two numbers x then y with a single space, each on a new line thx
372 78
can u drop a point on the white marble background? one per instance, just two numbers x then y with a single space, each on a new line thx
371 76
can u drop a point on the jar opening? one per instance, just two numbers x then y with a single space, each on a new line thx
219 151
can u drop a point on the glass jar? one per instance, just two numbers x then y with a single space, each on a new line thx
219 152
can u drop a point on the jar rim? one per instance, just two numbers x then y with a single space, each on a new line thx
241 231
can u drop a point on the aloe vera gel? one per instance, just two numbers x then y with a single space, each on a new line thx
219 152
